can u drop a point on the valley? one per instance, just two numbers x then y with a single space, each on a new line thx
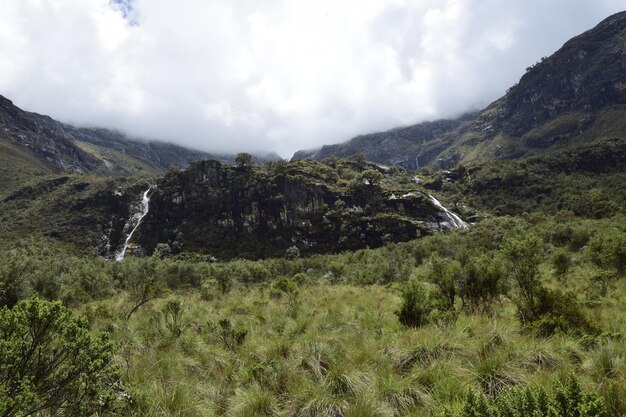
473 267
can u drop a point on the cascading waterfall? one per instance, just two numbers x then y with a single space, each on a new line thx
453 218
145 202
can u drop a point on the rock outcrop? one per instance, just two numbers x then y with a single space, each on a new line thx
233 211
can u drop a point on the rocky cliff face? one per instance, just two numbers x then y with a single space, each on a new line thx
230 211
41 136
410 147
586 74
572 97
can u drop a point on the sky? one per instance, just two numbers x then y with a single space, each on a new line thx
273 75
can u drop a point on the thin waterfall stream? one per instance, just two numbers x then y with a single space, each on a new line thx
453 218
145 205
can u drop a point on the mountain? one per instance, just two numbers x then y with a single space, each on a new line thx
32 145
575 96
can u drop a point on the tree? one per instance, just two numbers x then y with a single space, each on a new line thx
292 252
244 160
51 365
365 188
370 177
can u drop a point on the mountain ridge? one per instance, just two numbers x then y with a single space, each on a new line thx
576 93
33 145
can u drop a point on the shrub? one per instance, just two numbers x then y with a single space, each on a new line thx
524 254
443 273
46 286
258 271
565 400
13 283
285 286
580 237
172 314
144 284
51 365
93 280
561 261
231 337
292 252
416 305
608 250
223 279
560 234
559 311
179 274
482 281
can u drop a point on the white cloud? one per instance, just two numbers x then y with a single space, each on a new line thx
283 75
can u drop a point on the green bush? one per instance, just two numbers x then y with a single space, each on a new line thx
561 261
51 365
288 288
181 274
565 400
144 283
482 281
223 279
13 281
231 337
292 252
444 274
557 311
524 255
580 237
608 250
416 305
173 317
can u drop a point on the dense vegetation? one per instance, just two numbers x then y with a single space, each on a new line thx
514 303
588 180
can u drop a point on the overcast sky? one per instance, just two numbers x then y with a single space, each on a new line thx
273 75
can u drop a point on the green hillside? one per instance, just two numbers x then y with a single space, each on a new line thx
17 165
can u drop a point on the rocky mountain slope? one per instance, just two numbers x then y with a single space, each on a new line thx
32 145
227 211
575 96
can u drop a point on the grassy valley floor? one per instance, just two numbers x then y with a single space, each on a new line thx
321 336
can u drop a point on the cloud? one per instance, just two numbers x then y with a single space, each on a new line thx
281 75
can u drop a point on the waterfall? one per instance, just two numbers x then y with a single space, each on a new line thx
145 201
453 218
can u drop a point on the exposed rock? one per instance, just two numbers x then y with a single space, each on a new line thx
227 212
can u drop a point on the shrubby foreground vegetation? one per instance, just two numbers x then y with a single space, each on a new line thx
515 316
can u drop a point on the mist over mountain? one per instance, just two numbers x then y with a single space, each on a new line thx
273 76
574 96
